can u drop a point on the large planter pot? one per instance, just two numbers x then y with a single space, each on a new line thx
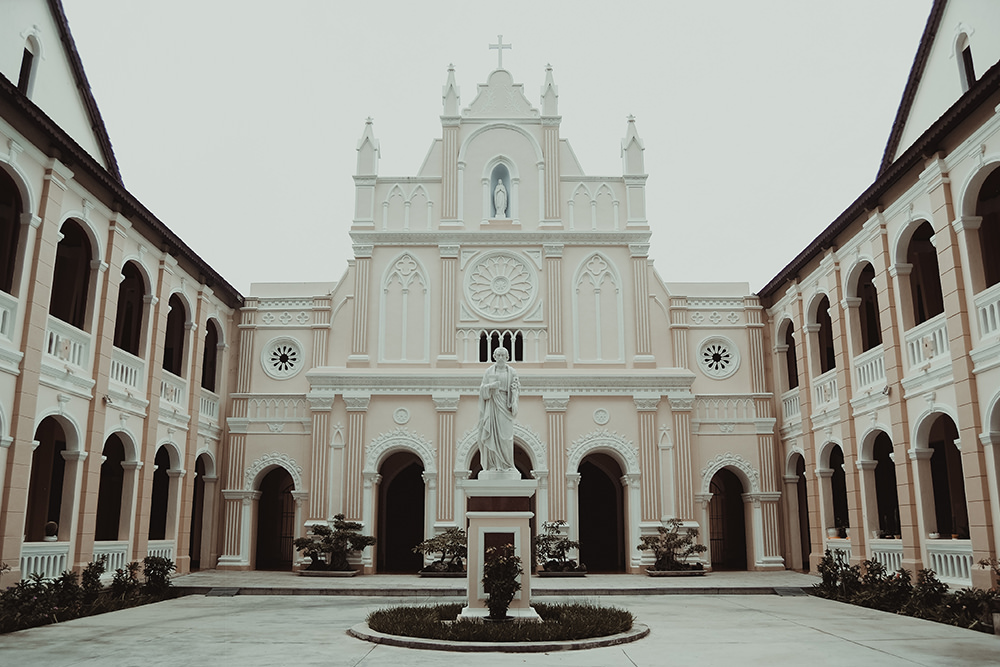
327 573
557 575
444 575
676 573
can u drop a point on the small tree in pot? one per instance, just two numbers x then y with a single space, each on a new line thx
329 548
672 546
452 544
501 569
552 547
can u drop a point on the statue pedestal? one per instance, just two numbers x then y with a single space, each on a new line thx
498 510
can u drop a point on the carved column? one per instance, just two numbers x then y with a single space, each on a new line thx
555 412
550 151
680 407
449 307
319 470
449 169
430 501
446 406
553 302
370 482
359 335
572 504
679 330
357 409
640 270
649 462
702 500
321 314
767 533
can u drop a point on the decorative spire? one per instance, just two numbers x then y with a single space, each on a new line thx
550 94
368 150
450 94
632 149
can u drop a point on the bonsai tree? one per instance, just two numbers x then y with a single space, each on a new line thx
551 549
329 548
672 546
452 544
501 569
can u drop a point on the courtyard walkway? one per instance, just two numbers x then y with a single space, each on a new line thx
725 618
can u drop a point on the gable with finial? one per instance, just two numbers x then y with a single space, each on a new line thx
500 97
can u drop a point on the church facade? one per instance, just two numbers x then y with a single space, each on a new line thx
149 408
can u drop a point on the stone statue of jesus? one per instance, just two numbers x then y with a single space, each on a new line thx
498 396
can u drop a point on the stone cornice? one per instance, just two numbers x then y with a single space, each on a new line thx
505 239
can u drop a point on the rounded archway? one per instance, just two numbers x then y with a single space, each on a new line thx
275 521
400 513
727 522
47 500
109 492
601 499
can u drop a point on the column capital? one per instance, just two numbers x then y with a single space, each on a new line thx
449 250
646 402
445 402
363 250
554 250
357 402
638 250
320 403
555 402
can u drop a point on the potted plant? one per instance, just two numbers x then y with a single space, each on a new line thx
551 552
452 545
672 546
501 569
329 548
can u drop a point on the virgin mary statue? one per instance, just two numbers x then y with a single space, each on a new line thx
498 395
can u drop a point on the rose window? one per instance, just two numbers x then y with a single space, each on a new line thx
500 286
718 357
282 358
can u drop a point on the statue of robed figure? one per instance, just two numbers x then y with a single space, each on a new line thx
498 396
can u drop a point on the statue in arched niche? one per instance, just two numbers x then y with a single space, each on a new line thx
500 199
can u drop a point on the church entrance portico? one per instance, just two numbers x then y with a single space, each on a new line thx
400 524
275 522
601 502
727 523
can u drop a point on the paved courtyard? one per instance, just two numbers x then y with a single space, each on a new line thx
310 629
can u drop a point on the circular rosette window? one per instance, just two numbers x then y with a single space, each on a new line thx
282 358
718 357
500 285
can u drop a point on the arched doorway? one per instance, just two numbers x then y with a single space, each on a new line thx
886 496
602 514
802 497
160 501
400 513
197 513
47 482
109 493
275 521
950 508
727 522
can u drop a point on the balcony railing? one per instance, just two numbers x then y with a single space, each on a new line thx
161 548
951 560
127 370
836 545
869 369
67 344
927 341
887 552
8 310
988 308
209 405
115 555
790 408
825 389
173 390
49 559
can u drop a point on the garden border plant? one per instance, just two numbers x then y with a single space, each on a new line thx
39 601
870 585
672 546
452 544
552 549
329 549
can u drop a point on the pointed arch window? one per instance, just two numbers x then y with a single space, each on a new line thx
512 341
966 67
29 64
405 312
597 305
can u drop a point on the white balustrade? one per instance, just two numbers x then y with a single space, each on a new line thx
161 548
209 405
724 407
49 559
825 389
127 370
951 560
115 555
173 390
790 408
67 344
988 309
869 369
840 546
887 552
927 341
8 310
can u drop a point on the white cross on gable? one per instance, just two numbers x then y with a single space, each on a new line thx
500 46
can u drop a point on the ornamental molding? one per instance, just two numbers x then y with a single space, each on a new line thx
529 439
400 439
282 357
715 304
268 303
607 441
272 460
718 357
730 460
497 239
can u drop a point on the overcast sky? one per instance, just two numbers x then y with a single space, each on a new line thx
236 123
